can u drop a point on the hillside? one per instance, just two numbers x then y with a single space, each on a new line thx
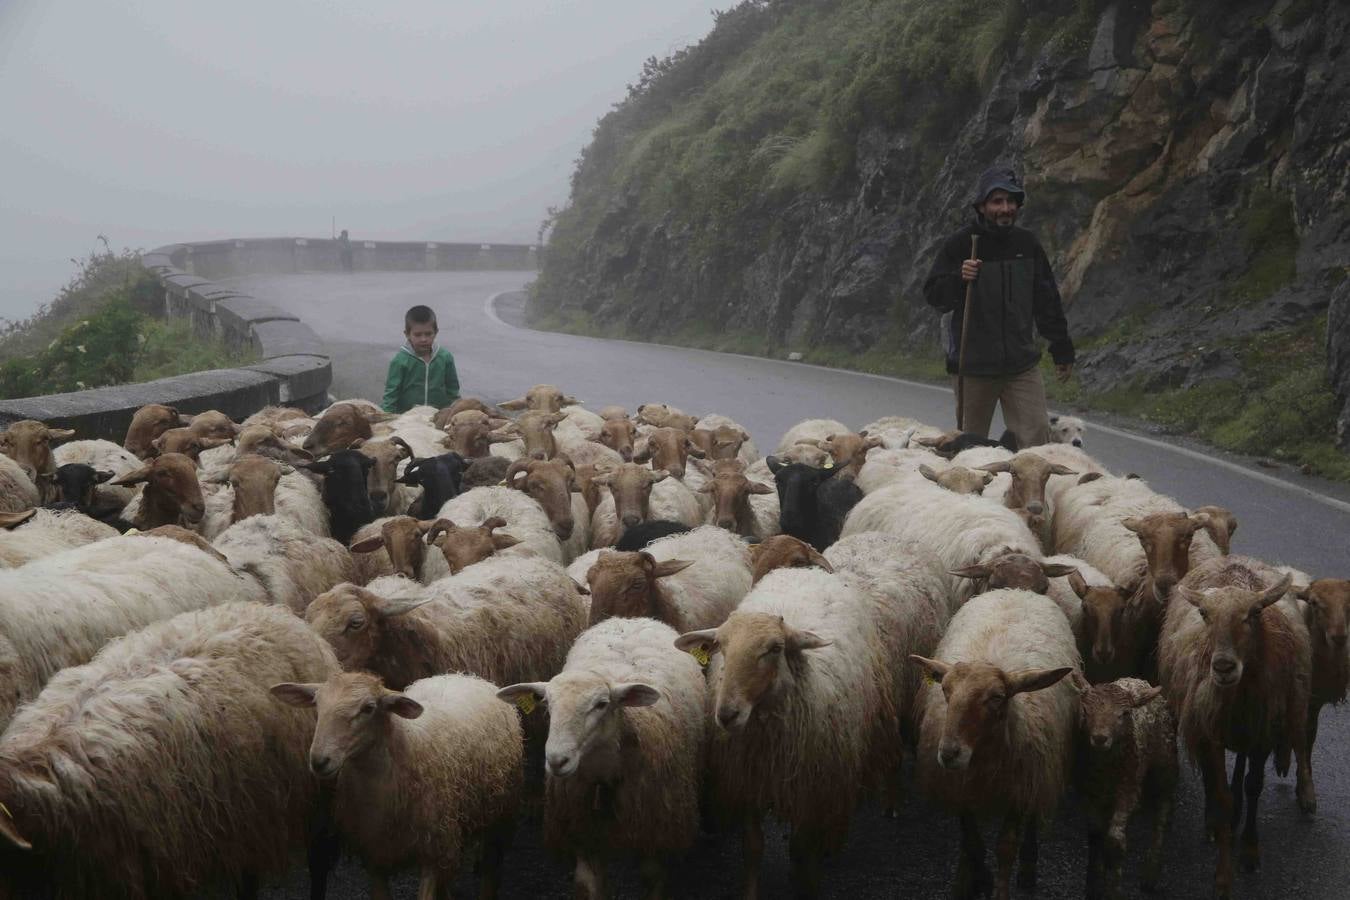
781 186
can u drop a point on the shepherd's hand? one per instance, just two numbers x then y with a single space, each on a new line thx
970 269
1063 371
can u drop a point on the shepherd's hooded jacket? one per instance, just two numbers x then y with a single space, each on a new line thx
1014 291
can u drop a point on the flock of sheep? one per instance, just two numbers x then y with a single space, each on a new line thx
221 644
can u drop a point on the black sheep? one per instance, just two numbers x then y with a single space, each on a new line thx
439 477
812 502
345 492
638 536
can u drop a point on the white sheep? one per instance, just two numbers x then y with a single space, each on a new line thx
291 564
526 520
748 452
624 755
996 727
295 498
809 431
957 530
49 532
18 492
654 495
885 466
800 685
506 619
689 581
898 432
60 610
418 774
164 768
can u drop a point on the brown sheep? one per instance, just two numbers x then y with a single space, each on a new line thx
666 448
172 494
464 546
546 398
783 551
148 423
1326 614
957 479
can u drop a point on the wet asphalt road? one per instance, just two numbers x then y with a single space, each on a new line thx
1302 523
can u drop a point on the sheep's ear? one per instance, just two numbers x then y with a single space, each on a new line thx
660 475
514 692
1274 592
295 694
690 641
101 476
1146 696
634 694
805 640
759 487
401 705
357 444
140 475
1057 469
670 567
1079 584
369 545
1057 570
774 464
1132 524
1026 680
930 473
694 450
60 434
970 572
519 403
816 559
503 541
1001 465
391 606
569 400
1089 477
1194 598
10 831
934 667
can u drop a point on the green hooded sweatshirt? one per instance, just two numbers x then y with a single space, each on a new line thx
412 382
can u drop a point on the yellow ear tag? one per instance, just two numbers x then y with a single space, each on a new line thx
131 531
700 654
526 703
829 464
928 677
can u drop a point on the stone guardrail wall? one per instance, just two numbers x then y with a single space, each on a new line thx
294 370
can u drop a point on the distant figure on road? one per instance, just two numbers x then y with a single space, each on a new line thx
1014 288
345 251
420 374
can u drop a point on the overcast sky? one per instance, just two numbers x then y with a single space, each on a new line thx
153 121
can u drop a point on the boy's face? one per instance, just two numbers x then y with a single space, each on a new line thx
421 335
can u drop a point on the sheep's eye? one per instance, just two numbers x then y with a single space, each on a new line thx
601 703
1204 615
368 707
773 649
996 700
356 623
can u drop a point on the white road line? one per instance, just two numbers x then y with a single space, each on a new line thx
490 308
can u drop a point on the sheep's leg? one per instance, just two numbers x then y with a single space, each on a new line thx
1239 768
1162 816
1212 765
248 886
589 879
1026 861
379 886
1304 790
1096 835
495 844
972 875
428 886
804 852
1009 839
1214 777
753 835
321 854
1114 849
652 870
1256 779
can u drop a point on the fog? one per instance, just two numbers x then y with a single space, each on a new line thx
152 121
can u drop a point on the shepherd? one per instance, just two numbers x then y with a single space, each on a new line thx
995 280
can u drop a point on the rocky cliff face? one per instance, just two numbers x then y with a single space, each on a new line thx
1187 165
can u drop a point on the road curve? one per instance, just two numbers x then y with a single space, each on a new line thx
1305 524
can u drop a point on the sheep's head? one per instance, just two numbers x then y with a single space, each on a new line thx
148 423
471 434
631 486
663 416
1015 570
1166 539
1219 524
731 498
1328 602
585 721
462 547
849 450
382 478
1232 616
546 398
172 491
783 551
1027 491
1104 709
77 483
612 412
1103 616
667 449
760 654
351 619
214 425
446 414
254 480
354 710
401 538
29 443
261 440
978 696
550 483
341 425
536 430
624 584
187 442
957 479
619 435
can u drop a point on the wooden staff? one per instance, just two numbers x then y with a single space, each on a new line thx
965 333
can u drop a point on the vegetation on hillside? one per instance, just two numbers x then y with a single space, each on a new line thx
100 330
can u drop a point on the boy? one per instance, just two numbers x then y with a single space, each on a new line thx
420 374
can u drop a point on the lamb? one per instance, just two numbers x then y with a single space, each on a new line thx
689 581
954 529
636 495
291 564
48 532
1236 666
18 491
1127 750
813 504
408 793
800 686
163 768
996 728
59 611
1326 612
624 755
172 494
507 619
525 520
